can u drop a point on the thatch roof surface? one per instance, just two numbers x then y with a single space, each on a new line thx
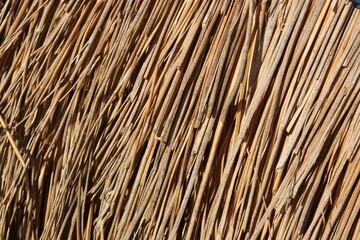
179 119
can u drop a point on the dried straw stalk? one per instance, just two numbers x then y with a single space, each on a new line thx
179 119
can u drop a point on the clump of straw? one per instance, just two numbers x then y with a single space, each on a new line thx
179 119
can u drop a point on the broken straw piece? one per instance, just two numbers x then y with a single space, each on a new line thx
12 142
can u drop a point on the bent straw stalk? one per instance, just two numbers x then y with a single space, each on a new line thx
179 119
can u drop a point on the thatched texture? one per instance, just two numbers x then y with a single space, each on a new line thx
181 119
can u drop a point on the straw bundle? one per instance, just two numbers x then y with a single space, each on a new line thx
179 119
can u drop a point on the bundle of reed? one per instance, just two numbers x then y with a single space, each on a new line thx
179 119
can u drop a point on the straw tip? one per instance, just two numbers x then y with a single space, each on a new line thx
356 3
